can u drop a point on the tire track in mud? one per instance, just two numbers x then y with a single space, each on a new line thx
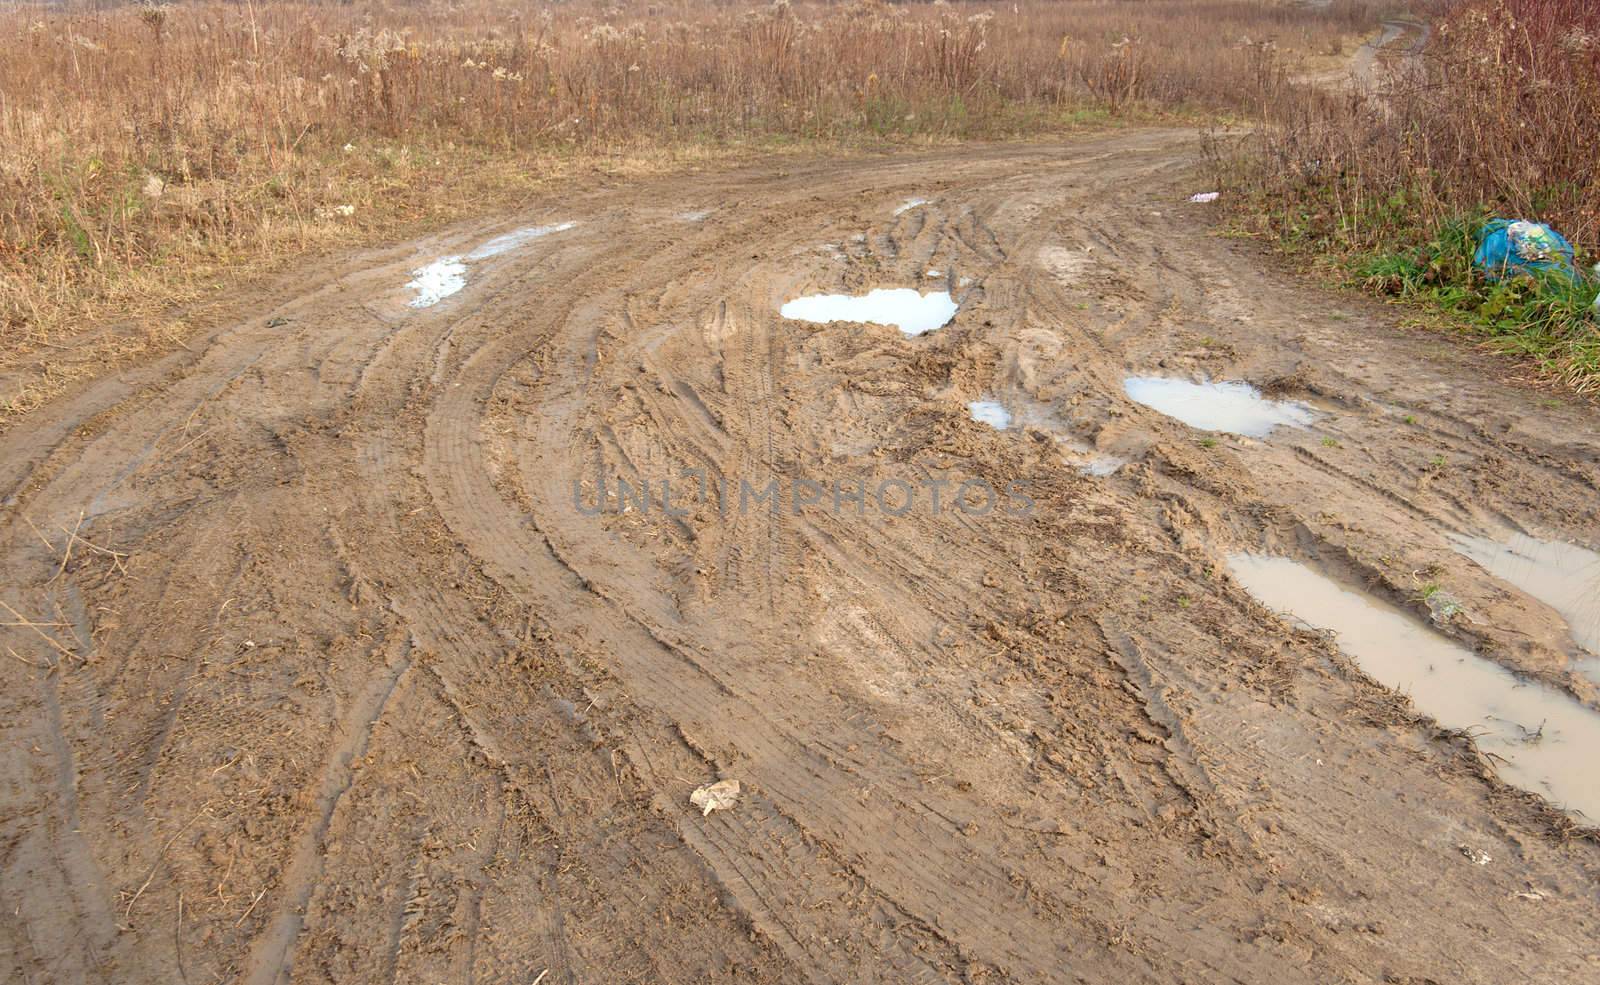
480 504
1040 748
268 962
559 426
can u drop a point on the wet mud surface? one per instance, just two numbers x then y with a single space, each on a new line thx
345 645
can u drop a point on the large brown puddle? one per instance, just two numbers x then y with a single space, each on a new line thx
1541 739
1563 576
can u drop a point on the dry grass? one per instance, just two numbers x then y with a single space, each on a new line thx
149 152
1496 117
1498 112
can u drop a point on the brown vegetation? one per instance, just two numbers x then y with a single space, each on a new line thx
1498 111
1494 116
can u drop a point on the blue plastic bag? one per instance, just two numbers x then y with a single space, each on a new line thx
1507 246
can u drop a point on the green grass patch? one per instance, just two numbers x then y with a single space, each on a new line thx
1548 317
1389 250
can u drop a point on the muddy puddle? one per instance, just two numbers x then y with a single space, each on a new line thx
1083 457
437 281
990 412
904 308
448 275
1233 407
515 239
1540 739
1563 576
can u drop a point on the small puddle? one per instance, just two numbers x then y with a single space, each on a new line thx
1542 740
437 281
1101 466
448 275
909 204
1083 457
990 412
1237 408
512 240
902 307
1563 576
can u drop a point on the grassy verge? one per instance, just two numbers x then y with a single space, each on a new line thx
1426 264
1548 318
1387 188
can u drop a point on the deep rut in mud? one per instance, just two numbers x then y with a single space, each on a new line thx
346 646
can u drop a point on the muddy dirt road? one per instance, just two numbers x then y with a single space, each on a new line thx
319 669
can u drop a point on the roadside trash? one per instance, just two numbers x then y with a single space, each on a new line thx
1519 246
715 796
1475 855
1204 196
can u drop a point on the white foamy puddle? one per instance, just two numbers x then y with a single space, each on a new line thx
1543 740
448 275
902 307
1237 408
1563 576
909 204
990 412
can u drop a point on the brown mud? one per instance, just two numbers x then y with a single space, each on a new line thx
319 671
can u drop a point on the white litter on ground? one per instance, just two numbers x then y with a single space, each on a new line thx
1204 197
902 307
910 204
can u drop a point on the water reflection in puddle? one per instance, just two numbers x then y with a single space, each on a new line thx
512 240
1077 451
991 413
1563 576
902 307
448 275
437 281
1237 408
1543 740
